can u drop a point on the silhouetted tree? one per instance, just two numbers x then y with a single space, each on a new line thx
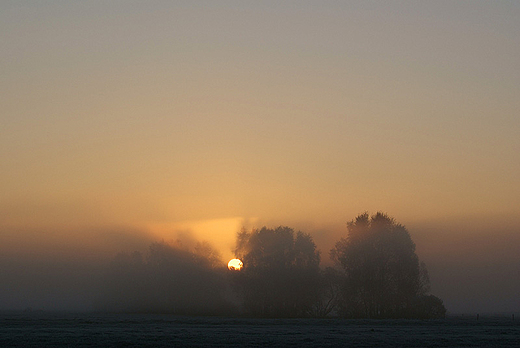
428 307
382 275
167 279
281 272
327 294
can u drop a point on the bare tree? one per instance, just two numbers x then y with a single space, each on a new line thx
328 294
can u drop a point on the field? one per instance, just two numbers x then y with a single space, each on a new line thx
38 329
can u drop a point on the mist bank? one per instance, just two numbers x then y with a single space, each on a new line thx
165 277
58 268
473 263
473 260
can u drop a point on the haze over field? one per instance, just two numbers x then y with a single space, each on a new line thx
127 122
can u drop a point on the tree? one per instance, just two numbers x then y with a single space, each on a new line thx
167 279
280 274
382 276
327 294
428 307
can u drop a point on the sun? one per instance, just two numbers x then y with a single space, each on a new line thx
235 265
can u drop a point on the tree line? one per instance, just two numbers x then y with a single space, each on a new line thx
376 274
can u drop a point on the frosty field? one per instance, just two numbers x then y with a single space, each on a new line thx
110 330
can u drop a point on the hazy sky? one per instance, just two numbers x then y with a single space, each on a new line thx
127 121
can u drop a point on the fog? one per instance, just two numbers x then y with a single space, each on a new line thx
126 125
59 269
474 266
473 262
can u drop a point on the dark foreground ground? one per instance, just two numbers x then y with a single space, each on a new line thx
103 330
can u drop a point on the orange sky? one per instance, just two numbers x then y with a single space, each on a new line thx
162 119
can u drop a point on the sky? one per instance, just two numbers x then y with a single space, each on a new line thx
126 122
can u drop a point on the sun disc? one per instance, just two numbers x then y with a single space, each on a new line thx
235 265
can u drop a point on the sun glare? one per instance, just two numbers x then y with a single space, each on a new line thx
235 265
